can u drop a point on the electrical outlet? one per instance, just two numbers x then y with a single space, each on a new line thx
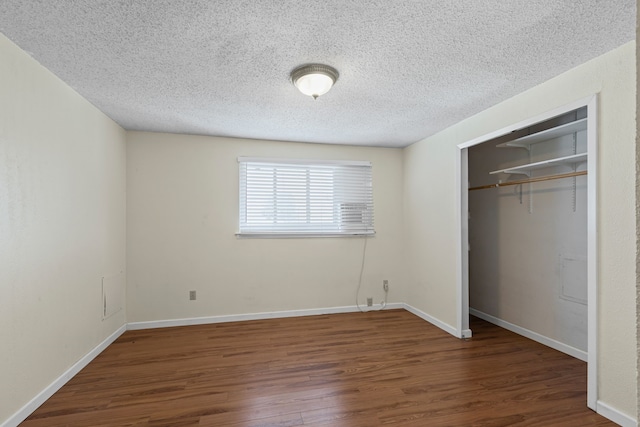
369 302
385 285
192 295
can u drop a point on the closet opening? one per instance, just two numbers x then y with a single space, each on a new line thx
527 211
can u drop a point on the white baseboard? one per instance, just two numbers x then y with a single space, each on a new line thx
45 394
255 316
48 391
603 409
440 324
616 416
556 345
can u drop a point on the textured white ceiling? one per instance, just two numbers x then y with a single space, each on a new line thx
408 68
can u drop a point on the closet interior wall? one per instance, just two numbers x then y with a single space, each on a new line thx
528 242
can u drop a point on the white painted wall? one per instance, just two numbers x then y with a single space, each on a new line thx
528 257
62 226
182 216
430 208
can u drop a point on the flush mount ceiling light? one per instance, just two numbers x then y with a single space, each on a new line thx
314 79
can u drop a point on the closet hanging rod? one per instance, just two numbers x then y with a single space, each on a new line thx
527 181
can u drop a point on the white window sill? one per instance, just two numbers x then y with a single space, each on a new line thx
256 235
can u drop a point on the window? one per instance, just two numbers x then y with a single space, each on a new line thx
305 198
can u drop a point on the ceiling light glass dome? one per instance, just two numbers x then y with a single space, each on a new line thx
314 79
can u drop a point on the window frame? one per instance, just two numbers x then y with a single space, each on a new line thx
307 163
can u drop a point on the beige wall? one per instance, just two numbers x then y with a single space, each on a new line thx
62 226
182 216
430 208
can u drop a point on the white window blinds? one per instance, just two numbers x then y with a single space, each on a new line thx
298 197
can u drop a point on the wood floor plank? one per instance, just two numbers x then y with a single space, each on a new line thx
386 368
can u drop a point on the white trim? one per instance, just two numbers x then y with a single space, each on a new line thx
615 415
440 324
13 421
276 235
528 122
304 199
462 236
549 342
134 326
49 390
591 102
304 161
592 253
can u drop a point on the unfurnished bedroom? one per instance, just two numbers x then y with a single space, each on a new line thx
337 213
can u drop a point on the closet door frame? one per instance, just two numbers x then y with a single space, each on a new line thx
462 201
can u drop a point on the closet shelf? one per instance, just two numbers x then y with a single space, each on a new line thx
545 135
525 169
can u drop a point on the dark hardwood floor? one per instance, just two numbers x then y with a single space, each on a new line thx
356 369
